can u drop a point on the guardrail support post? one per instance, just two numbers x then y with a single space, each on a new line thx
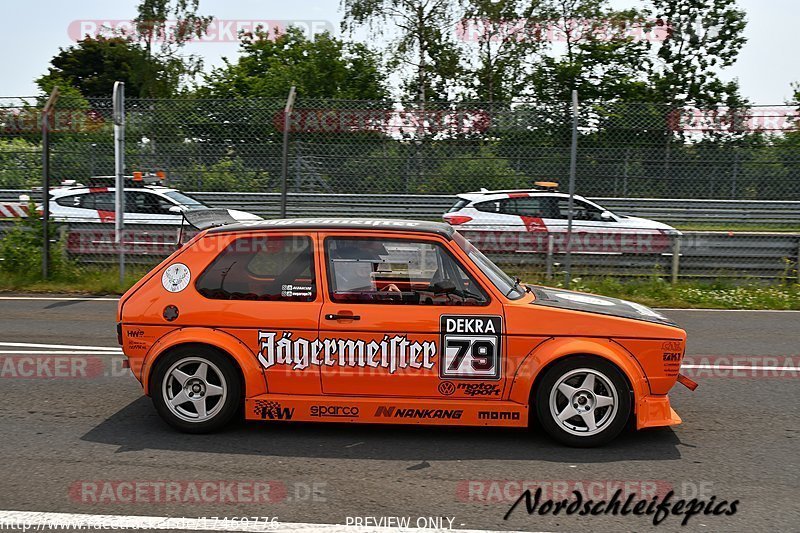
676 258
549 260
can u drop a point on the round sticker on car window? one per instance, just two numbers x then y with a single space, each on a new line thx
176 277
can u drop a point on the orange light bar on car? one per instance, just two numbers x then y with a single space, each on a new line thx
161 175
137 176
546 184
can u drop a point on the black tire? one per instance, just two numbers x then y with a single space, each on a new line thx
610 420
220 373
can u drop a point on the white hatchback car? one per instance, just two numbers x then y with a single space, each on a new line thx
535 220
145 203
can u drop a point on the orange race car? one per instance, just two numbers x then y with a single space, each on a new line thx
387 321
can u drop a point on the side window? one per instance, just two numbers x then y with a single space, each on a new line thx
398 272
580 210
145 202
271 267
70 201
102 201
504 207
528 207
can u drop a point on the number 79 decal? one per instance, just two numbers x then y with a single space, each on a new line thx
470 347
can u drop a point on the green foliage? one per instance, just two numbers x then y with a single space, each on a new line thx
20 164
471 172
21 250
227 174
325 67
423 48
92 65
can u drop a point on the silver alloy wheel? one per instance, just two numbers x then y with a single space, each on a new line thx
583 402
194 389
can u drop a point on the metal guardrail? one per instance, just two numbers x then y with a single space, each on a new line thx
669 210
699 254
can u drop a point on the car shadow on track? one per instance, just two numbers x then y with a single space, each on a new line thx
138 427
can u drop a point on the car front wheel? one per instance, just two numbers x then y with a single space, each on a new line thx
196 389
583 401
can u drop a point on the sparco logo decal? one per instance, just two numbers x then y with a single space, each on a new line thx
394 412
273 410
341 411
498 415
391 353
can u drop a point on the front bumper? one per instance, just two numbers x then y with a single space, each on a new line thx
655 411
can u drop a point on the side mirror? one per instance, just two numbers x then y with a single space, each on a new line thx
606 216
444 286
176 209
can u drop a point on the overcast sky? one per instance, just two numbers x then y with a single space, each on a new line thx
35 29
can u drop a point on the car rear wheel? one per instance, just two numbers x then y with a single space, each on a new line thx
196 389
583 401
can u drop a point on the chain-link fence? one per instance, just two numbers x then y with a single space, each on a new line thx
724 184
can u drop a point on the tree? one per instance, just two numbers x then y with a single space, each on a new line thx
93 65
424 43
505 35
170 24
324 67
703 36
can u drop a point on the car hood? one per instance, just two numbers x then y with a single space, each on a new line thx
592 303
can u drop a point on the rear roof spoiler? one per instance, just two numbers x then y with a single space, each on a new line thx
208 218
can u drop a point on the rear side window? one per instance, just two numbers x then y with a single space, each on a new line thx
272 268
70 201
459 205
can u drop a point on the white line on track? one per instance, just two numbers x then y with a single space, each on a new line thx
39 521
60 346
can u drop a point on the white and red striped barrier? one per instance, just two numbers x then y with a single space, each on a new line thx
15 210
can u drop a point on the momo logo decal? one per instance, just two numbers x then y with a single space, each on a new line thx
470 347
334 411
273 410
394 412
498 415
390 353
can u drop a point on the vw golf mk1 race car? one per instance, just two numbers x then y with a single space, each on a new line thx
387 321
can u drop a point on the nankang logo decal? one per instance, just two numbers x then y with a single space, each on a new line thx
391 353
394 412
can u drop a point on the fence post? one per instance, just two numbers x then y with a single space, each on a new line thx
549 260
287 113
573 162
118 105
48 109
676 258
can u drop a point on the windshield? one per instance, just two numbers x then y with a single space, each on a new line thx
184 199
499 279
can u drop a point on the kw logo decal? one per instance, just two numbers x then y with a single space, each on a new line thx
273 410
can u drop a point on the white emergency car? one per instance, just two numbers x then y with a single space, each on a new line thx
146 202
529 220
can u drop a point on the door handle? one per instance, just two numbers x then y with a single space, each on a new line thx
342 317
